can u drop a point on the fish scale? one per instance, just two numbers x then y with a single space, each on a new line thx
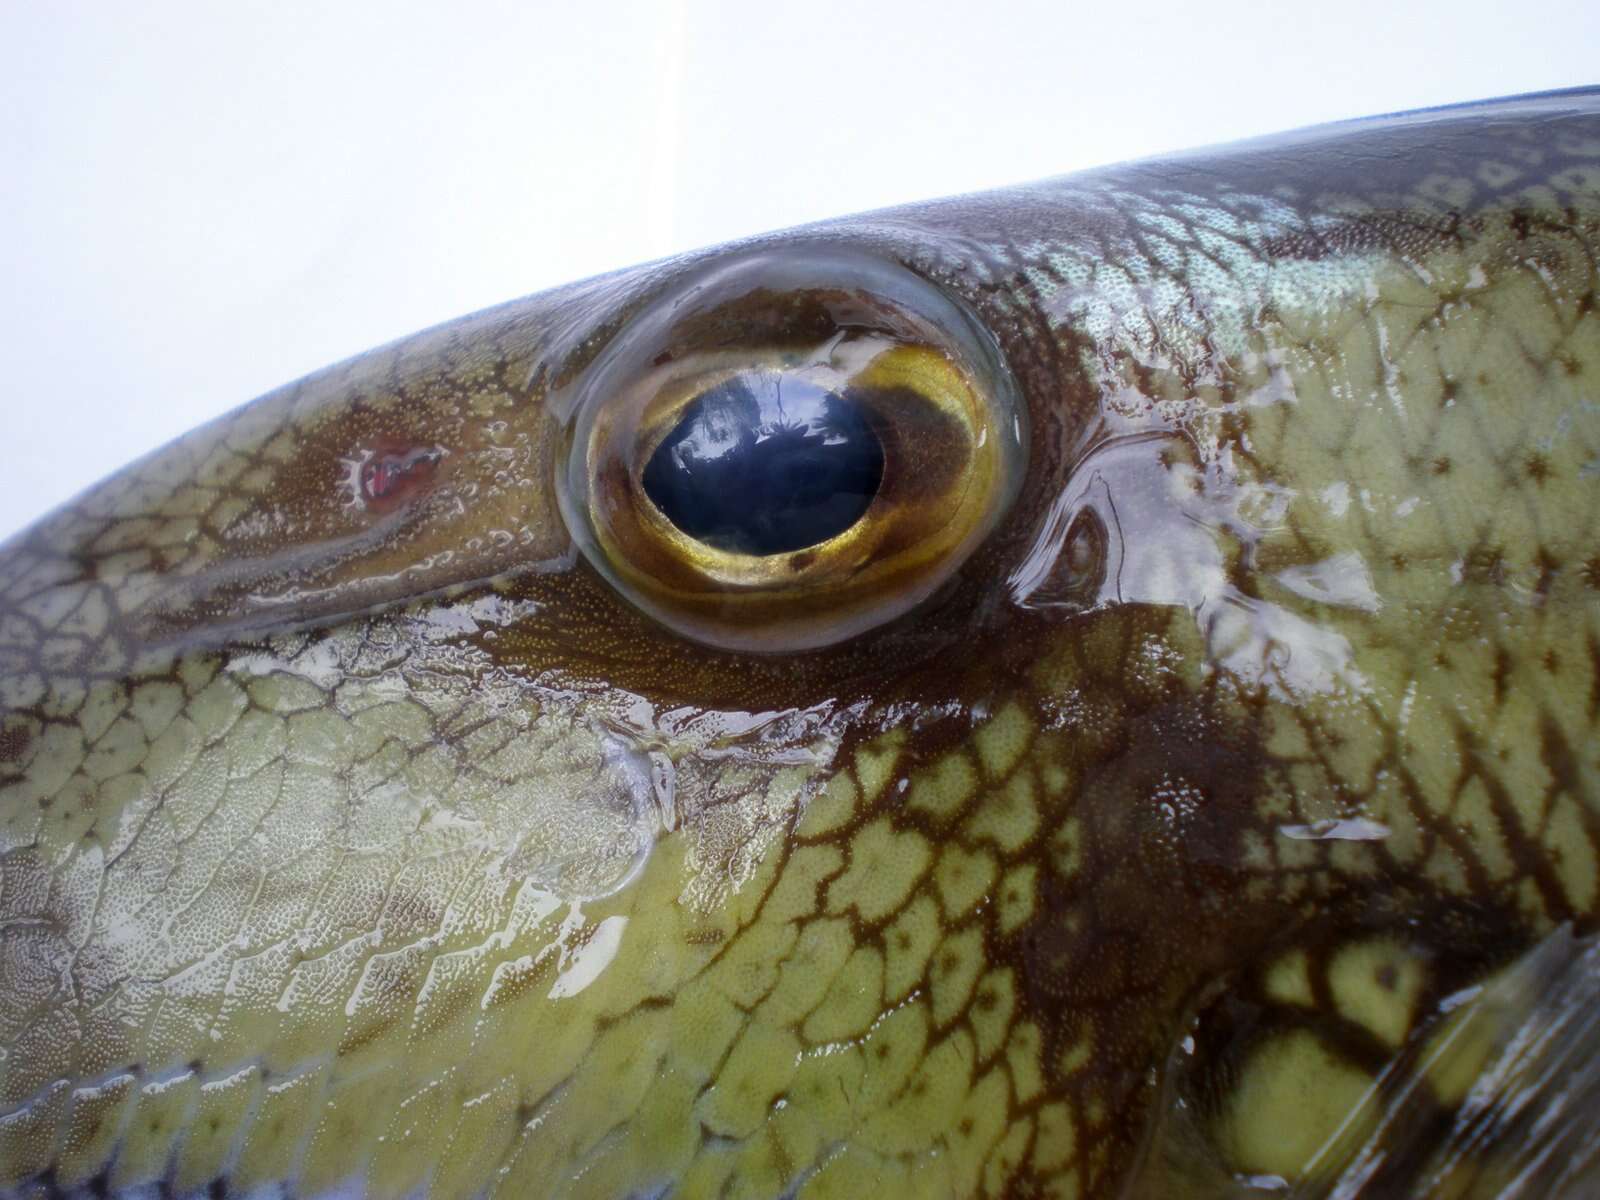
359 850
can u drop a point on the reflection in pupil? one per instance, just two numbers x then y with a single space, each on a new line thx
764 464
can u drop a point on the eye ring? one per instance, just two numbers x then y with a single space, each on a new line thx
889 351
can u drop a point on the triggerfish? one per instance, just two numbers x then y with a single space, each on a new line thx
1086 690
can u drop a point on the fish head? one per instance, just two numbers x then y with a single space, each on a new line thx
1081 690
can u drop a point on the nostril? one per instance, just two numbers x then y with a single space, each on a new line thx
390 475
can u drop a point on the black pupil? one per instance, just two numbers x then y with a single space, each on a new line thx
765 464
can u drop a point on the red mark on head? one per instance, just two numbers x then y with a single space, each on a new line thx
392 474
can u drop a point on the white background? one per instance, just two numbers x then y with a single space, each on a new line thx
199 201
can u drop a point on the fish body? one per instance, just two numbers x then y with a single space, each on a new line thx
1177 778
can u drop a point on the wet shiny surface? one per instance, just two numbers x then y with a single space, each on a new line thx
1221 821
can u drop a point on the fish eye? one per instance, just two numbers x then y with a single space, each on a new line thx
789 449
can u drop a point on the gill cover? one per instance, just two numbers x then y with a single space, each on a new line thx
1494 1094
789 449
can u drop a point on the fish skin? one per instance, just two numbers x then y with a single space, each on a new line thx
392 852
